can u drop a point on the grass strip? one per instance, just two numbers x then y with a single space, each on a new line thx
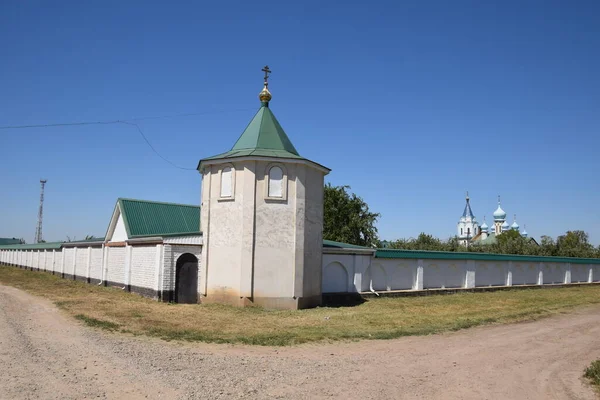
382 318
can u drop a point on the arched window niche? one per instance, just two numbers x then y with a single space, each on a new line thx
276 182
227 180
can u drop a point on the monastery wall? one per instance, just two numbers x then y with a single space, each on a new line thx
347 272
146 269
150 269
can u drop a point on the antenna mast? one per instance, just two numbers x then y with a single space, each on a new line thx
38 229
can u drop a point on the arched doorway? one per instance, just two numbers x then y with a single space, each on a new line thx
186 279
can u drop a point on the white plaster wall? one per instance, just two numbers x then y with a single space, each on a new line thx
355 265
276 224
335 278
222 222
490 273
553 273
143 266
444 274
596 273
579 273
401 273
35 258
116 265
96 264
525 273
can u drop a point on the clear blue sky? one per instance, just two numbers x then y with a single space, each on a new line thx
409 103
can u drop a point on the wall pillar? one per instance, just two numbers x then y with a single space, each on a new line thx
470 274
104 264
159 270
62 265
540 274
509 274
127 277
568 273
53 261
590 273
89 264
74 262
419 276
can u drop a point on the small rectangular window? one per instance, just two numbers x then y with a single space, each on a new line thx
226 182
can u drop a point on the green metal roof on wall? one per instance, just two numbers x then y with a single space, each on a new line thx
7 241
150 218
450 255
33 246
340 245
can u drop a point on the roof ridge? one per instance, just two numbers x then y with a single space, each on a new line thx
157 202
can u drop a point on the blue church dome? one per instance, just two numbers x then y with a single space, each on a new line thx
505 226
524 233
514 225
484 227
499 214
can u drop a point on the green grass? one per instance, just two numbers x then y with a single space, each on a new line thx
380 318
96 323
593 373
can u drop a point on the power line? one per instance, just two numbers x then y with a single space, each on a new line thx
127 122
120 121
152 147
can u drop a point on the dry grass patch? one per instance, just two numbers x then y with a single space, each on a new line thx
382 318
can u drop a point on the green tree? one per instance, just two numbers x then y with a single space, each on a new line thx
575 244
347 218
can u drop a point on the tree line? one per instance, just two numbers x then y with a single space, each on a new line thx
348 219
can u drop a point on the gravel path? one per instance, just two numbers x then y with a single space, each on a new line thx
46 355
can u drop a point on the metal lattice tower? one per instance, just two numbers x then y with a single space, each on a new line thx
38 229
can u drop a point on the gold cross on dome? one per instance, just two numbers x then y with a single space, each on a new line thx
267 71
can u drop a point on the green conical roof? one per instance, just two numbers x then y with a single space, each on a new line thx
264 132
263 137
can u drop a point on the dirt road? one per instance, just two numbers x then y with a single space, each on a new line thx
46 355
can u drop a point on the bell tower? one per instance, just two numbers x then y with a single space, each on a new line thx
262 219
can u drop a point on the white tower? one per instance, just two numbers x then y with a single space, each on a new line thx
467 227
262 219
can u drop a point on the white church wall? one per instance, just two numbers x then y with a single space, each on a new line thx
595 273
444 274
354 269
580 273
553 273
525 273
275 235
489 273
224 246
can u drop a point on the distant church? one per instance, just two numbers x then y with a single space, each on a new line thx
470 232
